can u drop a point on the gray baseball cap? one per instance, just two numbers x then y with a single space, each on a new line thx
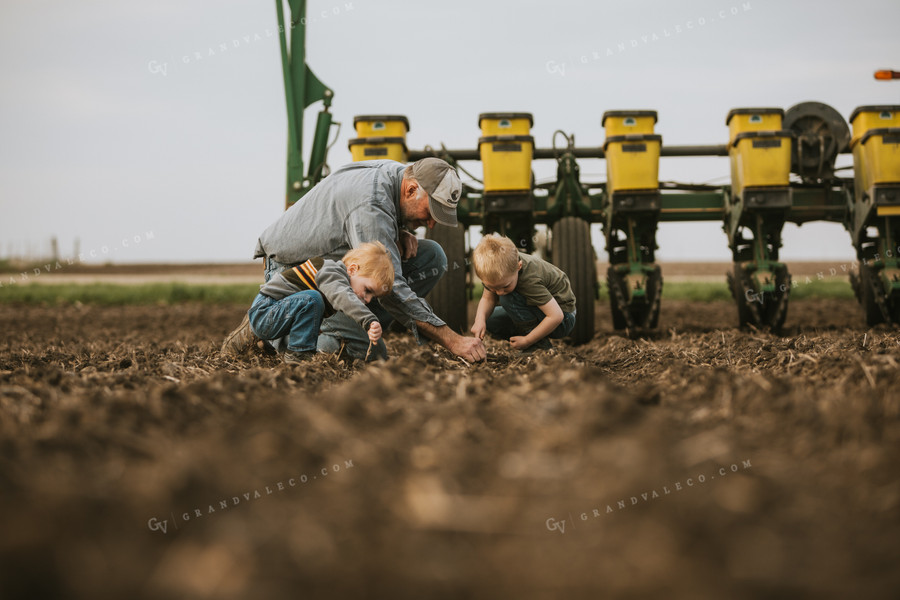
441 183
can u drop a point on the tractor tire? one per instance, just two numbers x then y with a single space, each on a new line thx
617 299
738 292
777 307
654 294
762 312
449 298
639 316
854 283
868 296
574 255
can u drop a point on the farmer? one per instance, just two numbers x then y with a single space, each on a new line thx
378 200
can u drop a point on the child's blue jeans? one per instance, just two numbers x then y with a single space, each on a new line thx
515 316
297 316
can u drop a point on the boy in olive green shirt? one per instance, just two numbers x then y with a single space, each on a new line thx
535 297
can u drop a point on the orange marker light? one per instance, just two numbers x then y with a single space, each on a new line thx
886 74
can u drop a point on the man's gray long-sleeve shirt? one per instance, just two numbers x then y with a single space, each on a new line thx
359 202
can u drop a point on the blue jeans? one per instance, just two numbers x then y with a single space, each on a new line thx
515 316
296 317
422 272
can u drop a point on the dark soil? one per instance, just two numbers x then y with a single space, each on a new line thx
573 473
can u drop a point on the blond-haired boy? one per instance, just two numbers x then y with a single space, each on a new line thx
535 297
294 302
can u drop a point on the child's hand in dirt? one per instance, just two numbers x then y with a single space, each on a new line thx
374 332
479 328
519 342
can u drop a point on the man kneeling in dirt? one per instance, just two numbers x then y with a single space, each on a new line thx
371 201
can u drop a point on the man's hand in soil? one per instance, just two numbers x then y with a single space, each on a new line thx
469 348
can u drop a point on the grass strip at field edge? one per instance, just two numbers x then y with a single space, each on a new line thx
175 293
108 294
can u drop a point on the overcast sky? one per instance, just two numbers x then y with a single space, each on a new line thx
129 127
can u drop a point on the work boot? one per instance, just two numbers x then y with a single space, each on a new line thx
266 348
240 340
297 358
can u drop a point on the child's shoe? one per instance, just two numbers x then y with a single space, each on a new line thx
297 358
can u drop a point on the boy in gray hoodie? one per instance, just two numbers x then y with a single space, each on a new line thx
293 303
